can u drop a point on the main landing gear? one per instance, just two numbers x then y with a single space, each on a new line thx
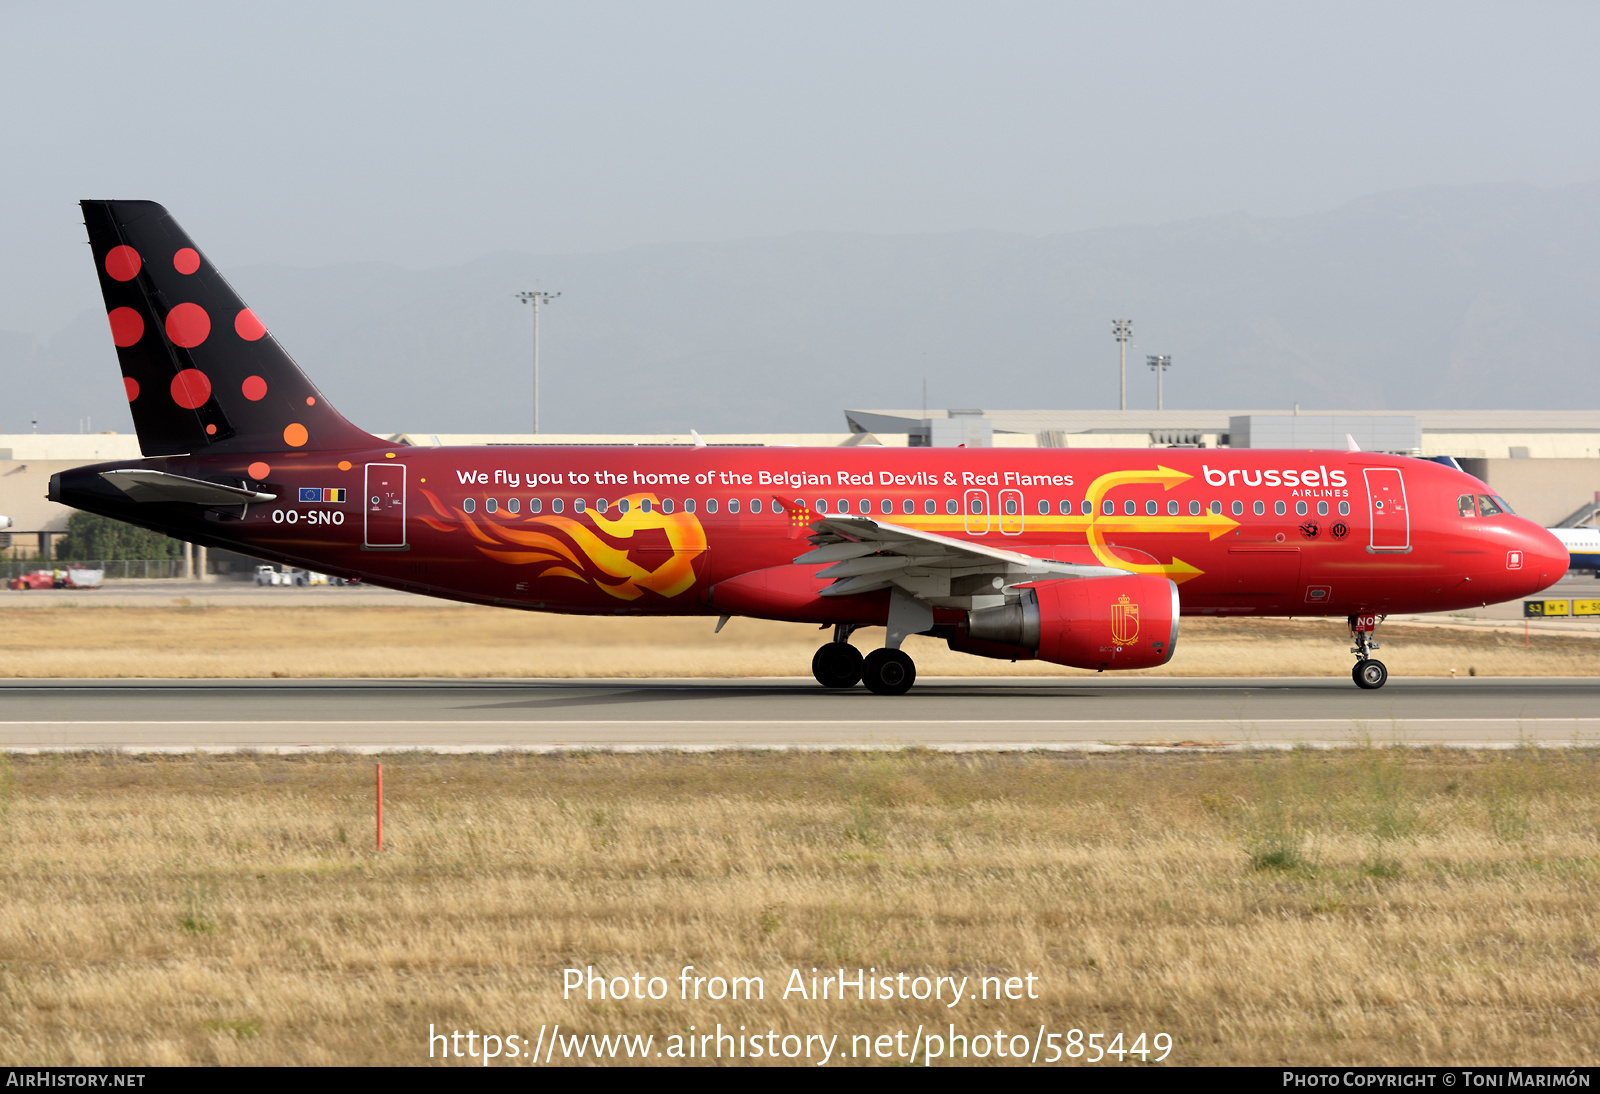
838 664
1369 673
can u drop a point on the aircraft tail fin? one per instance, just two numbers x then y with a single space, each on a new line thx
199 368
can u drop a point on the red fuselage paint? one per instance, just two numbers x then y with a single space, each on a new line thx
652 530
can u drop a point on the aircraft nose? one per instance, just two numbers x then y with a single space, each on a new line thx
1545 557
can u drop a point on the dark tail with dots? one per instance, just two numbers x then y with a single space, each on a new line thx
200 368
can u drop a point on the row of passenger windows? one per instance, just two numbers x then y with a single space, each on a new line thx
907 506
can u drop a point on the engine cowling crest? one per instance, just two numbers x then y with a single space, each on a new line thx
1089 623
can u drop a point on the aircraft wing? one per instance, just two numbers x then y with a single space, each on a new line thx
161 486
870 555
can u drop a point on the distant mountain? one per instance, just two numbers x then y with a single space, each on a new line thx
1480 296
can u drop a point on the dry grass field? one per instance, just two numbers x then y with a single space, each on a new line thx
1367 906
458 641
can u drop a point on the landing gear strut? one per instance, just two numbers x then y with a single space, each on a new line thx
838 664
1369 673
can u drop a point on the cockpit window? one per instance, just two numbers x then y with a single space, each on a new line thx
1487 506
1465 504
1505 506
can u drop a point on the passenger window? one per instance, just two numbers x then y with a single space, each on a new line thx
1088 507
557 504
755 505
1487 507
535 505
1194 509
1260 508
1108 507
1011 507
1279 508
1322 508
1130 507
622 505
1238 508
601 505
844 505
1216 507
1465 506
950 506
577 505
1344 509
513 506
688 505
930 507
886 506
469 506
908 507
1150 508
866 507
977 506
1300 508
822 505
644 505
1067 508
733 505
1044 508
490 505
666 505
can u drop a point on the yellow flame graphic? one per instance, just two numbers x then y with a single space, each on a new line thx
567 547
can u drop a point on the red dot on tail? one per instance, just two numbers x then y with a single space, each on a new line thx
131 386
122 263
188 325
258 470
248 326
254 389
127 326
210 429
191 388
311 400
186 261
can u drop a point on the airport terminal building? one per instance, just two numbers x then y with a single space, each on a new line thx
1546 463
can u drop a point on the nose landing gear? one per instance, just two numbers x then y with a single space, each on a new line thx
1369 673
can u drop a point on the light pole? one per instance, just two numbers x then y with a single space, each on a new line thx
1158 365
536 298
1122 330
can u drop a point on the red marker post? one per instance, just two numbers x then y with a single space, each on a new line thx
380 807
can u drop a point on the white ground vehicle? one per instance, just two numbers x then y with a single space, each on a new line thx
272 575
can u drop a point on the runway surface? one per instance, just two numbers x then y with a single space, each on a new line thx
378 715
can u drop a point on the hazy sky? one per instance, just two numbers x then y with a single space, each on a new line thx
427 134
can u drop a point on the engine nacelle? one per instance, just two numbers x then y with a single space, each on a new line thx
1089 623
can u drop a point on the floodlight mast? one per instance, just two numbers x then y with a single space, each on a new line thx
536 298
1158 364
1122 330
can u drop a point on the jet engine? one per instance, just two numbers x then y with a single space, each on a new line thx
1126 622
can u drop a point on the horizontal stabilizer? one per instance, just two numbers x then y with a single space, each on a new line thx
160 486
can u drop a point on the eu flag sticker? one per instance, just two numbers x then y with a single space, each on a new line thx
311 493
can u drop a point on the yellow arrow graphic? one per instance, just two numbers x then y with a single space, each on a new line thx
1179 571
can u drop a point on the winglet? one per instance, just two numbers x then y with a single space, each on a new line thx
1351 442
699 442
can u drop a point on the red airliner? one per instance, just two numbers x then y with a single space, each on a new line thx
1079 557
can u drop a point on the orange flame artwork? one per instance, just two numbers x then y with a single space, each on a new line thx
565 547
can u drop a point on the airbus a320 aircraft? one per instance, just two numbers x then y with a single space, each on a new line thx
1079 557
